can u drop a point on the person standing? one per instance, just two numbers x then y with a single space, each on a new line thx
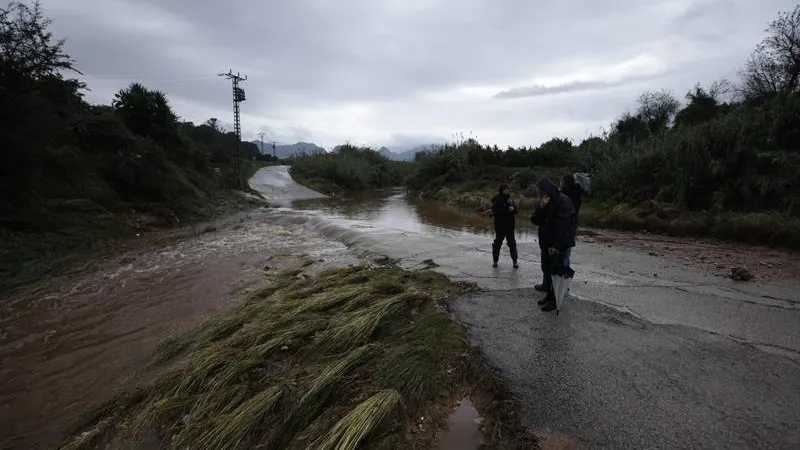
538 216
573 190
559 233
504 211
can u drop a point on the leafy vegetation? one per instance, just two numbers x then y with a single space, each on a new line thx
347 168
74 174
725 166
350 359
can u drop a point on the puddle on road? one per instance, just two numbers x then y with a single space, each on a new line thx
463 429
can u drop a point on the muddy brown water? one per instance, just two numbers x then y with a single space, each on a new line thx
70 345
463 429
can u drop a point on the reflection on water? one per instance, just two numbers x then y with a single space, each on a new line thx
391 209
463 430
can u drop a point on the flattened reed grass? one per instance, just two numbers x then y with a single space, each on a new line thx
358 423
319 361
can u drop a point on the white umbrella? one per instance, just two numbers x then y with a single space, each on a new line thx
584 181
561 281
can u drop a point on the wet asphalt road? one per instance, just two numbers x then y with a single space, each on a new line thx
648 354
608 380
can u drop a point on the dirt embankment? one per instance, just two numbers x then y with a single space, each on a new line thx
712 256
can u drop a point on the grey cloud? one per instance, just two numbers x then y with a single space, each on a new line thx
307 55
539 90
403 141
351 50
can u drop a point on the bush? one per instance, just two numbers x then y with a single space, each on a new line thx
741 162
347 168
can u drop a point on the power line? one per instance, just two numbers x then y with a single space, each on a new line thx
149 79
238 97
261 134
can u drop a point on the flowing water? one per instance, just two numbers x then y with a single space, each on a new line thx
391 210
71 344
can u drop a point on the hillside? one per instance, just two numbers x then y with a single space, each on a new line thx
75 176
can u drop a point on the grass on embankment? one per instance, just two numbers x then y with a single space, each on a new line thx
360 357
654 217
75 230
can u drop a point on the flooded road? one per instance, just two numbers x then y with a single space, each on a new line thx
642 338
67 349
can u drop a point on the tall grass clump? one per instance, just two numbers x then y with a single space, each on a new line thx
317 363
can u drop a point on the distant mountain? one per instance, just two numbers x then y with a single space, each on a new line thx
286 151
387 153
405 154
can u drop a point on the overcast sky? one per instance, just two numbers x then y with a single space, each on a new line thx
402 72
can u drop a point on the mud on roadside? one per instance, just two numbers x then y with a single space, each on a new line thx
712 256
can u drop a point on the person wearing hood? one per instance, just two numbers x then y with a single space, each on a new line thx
538 216
557 227
572 189
504 211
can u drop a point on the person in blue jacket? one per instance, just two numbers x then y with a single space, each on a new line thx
504 211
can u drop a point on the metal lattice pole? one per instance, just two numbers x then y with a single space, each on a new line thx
261 135
238 97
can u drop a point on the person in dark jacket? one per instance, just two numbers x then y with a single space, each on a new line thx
504 211
539 213
559 230
574 191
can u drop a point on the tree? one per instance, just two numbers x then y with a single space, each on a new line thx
28 52
146 112
629 128
774 66
704 104
215 125
657 110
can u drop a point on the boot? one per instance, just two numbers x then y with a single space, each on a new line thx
545 285
549 306
550 297
495 254
549 301
512 248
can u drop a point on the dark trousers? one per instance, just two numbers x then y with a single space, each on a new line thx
545 264
504 233
549 262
